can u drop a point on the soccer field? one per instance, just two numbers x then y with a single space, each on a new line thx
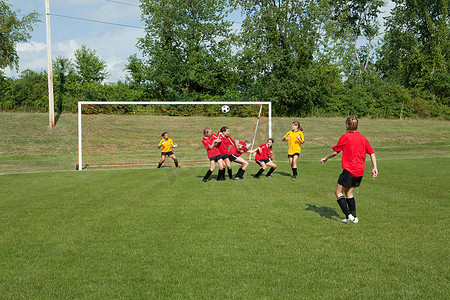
159 233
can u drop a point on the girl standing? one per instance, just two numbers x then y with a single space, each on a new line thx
354 147
210 142
166 145
295 139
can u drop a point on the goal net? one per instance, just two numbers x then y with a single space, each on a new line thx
120 134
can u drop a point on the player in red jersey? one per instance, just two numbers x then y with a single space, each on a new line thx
354 147
210 142
234 155
224 135
264 156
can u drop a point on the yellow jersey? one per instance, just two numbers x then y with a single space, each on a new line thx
293 141
166 146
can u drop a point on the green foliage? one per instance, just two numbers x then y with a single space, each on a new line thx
89 67
13 30
186 46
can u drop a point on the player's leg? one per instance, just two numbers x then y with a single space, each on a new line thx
163 158
221 175
263 168
241 171
228 165
175 160
210 171
351 202
340 189
272 168
294 165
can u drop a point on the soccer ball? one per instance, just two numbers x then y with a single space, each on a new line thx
225 109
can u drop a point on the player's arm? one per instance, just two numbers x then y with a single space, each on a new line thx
285 137
331 155
374 166
302 141
161 144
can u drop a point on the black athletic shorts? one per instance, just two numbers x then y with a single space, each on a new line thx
215 158
224 156
167 153
233 157
263 160
292 155
349 181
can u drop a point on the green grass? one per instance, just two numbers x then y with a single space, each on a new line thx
161 234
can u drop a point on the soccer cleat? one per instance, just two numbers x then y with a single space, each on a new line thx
294 176
237 178
268 175
256 177
350 219
355 221
204 180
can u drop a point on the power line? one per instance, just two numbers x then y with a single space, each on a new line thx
124 3
96 21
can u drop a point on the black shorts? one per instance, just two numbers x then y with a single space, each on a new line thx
263 160
215 158
233 157
225 156
167 153
349 181
292 155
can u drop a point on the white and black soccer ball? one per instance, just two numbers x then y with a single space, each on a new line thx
225 109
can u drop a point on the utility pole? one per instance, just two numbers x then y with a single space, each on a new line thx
51 102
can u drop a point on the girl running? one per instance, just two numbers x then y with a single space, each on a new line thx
210 141
166 145
295 140
234 155
263 157
354 147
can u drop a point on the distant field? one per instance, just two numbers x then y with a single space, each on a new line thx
146 233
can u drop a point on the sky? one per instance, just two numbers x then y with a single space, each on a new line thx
113 43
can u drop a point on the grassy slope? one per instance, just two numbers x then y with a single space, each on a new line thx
145 233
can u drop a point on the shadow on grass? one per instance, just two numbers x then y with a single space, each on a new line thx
284 174
324 211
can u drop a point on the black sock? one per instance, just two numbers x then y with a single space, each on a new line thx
207 175
176 164
259 172
270 171
221 175
159 165
351 205
240 173
230 173
294 171
343 204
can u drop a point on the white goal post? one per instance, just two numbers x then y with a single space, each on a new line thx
151 103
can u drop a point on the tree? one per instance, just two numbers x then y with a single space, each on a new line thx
278 44
352 27
64 73
89 67
416 46
13 30
187 46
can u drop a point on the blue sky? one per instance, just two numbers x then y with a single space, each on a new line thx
114 44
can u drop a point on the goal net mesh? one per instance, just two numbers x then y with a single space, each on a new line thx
128 135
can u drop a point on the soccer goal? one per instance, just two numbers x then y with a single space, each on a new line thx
121 134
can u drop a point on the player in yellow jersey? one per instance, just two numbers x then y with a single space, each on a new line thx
295 140
166 145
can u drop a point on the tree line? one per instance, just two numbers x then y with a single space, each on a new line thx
308 57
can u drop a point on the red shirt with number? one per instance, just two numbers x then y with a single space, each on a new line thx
234 150
354 147
225 144
207 142
265 153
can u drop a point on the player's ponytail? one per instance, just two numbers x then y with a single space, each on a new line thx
352 123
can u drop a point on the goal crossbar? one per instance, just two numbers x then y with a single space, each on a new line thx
80 141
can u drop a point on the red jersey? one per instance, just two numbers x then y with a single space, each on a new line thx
207 142
354 147
265 153
225 144
234 150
